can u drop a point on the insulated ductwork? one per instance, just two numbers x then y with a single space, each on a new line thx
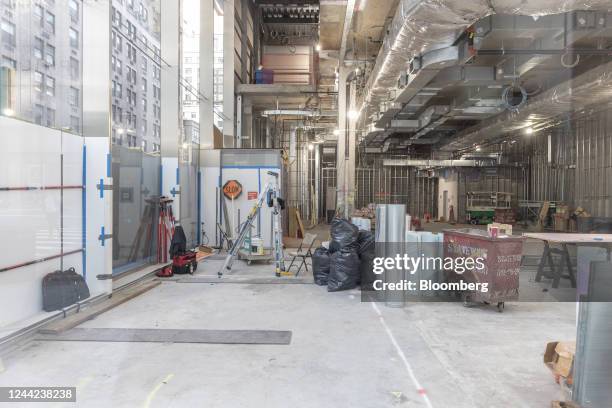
588 89
421 26
438 163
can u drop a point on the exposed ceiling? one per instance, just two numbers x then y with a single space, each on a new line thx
508 70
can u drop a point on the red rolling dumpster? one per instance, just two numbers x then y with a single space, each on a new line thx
502 263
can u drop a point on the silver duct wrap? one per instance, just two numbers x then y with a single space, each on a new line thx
424 25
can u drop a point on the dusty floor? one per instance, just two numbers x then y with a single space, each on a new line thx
343 353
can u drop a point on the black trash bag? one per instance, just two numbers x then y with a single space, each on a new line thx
333 247
365 242
344 233
343 271
320 266
366 270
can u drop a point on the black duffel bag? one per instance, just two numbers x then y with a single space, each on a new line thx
63 288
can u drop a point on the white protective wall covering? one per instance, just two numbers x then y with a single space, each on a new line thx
424 25
39 222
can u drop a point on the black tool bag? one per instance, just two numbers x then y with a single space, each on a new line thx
63 288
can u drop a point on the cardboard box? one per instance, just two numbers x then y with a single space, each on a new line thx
559 357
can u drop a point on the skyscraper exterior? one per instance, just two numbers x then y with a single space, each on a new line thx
136 74
41 58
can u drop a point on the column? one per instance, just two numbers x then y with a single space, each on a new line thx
97 172
207 18
171 118
228 74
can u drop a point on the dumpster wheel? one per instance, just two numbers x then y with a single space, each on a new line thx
501 306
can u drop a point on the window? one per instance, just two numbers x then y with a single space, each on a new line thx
73 7
117 41
50 117
143 81
144 127
156 92
38 15
73 97
131 31
144 13
8 32
74 38
117 65
144 145
144 65
132 53
117 90
38 81
117 18
144 104
50 22
39 46
38 114
75 123
74 69
131 75
50 55
9 62
50 86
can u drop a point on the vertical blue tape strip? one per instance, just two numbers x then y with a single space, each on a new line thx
108 165
177 176
102 239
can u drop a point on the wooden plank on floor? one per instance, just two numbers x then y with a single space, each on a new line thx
282 337
89 313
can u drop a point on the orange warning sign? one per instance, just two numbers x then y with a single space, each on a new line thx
232 189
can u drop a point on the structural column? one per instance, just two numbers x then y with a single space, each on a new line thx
207 41
228 74
171 117
346 143
97 170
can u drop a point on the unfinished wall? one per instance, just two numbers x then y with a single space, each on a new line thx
396 185
570 163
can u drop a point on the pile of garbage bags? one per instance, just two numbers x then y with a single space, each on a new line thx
348 258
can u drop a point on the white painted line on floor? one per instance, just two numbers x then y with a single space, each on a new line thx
400 352
153 392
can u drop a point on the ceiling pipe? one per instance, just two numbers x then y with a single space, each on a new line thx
348 23
437 163
420 26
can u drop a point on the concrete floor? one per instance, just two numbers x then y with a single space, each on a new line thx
343 353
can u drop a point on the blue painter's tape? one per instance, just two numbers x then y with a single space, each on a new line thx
108 165
102 235
177 176
101 188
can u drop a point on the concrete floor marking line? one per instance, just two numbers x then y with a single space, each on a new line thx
153 392
420 390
